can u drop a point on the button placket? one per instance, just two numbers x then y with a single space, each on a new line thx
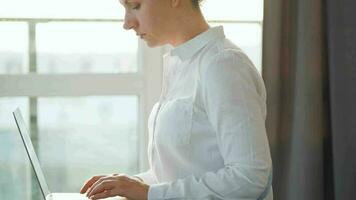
162 99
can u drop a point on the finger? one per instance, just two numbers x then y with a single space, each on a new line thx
102 195
99 181
99 188
89 183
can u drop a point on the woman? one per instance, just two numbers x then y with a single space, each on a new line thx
207 137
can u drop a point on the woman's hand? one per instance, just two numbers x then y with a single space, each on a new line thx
99 187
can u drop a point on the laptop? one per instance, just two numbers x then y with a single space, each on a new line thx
24 133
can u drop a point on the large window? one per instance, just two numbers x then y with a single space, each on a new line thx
104 48
86 87
242 21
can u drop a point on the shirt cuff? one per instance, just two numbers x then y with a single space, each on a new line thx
146 177
157 191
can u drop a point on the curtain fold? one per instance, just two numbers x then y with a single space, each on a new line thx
296 77
341 32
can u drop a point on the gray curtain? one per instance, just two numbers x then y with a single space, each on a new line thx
341 32
296 76
309 67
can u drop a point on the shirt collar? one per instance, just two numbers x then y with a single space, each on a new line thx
189 48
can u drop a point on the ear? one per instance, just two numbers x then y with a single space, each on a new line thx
175 3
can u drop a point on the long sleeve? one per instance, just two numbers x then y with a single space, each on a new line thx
147 177
234 98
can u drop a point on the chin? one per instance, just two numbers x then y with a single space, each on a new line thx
153 44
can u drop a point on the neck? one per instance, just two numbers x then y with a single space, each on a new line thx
188 26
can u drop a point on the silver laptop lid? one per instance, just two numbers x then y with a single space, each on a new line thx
25 136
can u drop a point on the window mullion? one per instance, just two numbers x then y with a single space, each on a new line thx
33 125
32 64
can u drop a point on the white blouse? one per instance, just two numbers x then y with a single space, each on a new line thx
207 136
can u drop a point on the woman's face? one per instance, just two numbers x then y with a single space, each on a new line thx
150 19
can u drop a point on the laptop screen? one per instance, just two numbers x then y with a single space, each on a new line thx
25 136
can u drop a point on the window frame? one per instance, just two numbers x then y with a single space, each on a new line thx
145 84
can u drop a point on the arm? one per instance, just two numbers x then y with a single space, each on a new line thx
146 177
234 99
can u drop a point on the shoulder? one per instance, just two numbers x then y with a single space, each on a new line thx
224 58
224 53
225 63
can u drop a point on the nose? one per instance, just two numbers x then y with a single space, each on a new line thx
130 21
